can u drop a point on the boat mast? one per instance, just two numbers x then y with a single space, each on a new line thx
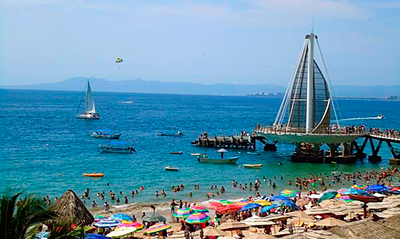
310 85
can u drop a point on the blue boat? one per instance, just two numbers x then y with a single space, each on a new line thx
105 134
118 147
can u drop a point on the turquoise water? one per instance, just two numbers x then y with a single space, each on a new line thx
41 139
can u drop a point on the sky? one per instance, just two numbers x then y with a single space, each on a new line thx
225 41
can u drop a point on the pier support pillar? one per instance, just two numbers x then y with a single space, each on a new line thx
306 152
374 158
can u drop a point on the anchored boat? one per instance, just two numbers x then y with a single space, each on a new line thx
94 175
168 168
252 165
106 134
178 134
118 147
90 108
231 160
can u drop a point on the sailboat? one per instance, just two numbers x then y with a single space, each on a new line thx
90 108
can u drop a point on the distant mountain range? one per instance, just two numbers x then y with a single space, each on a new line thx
142 86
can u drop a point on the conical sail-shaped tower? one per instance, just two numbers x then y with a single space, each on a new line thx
304 117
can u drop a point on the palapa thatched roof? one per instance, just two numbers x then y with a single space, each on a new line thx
367 229
71 208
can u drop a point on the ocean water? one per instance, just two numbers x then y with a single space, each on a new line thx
44 149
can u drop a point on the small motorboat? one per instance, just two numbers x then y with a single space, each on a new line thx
253 153
168 168
380 116
118 147
105 134
252 165
195 154
178 134
94 175
231 160
179 152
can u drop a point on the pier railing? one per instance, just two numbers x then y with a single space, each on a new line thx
291 130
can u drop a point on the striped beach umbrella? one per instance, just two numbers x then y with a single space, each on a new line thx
197 218
359 186
136 225
199 208
98 218
107 223
183 212
289 193
157 228
225 202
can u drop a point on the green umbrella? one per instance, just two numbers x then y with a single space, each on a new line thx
327 195
154 218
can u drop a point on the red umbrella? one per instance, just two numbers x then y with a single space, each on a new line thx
230 208
214 205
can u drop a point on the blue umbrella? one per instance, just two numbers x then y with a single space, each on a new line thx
289 204
107 223
268 208
250 206
357 192
95 236
121 217
279 197
377 188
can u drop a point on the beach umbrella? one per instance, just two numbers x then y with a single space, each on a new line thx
222 151
328 195
157 228
289 193
263 202
154 218
225 202
268 208
183 212
330 222
257 221
330 203
199 208
315 196
70 208
98 218
377 188
211 231
136 225
250 206
123 231
300 216
197 218
229 208
279 197
232 225
214 205
260 236
107 223
359 186
289 204
94 236
121 217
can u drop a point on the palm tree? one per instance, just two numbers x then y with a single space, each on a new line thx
20 220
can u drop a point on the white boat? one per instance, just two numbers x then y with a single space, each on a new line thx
252 165
380 116
117 147
105 134
231 160
90 108
168 168
178 134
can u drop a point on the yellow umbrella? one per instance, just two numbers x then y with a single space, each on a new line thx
122 231
263 202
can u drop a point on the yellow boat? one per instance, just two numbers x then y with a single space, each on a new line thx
195 154
94 175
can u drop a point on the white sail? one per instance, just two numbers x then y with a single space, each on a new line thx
89 102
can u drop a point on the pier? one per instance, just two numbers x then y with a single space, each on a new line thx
307 112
